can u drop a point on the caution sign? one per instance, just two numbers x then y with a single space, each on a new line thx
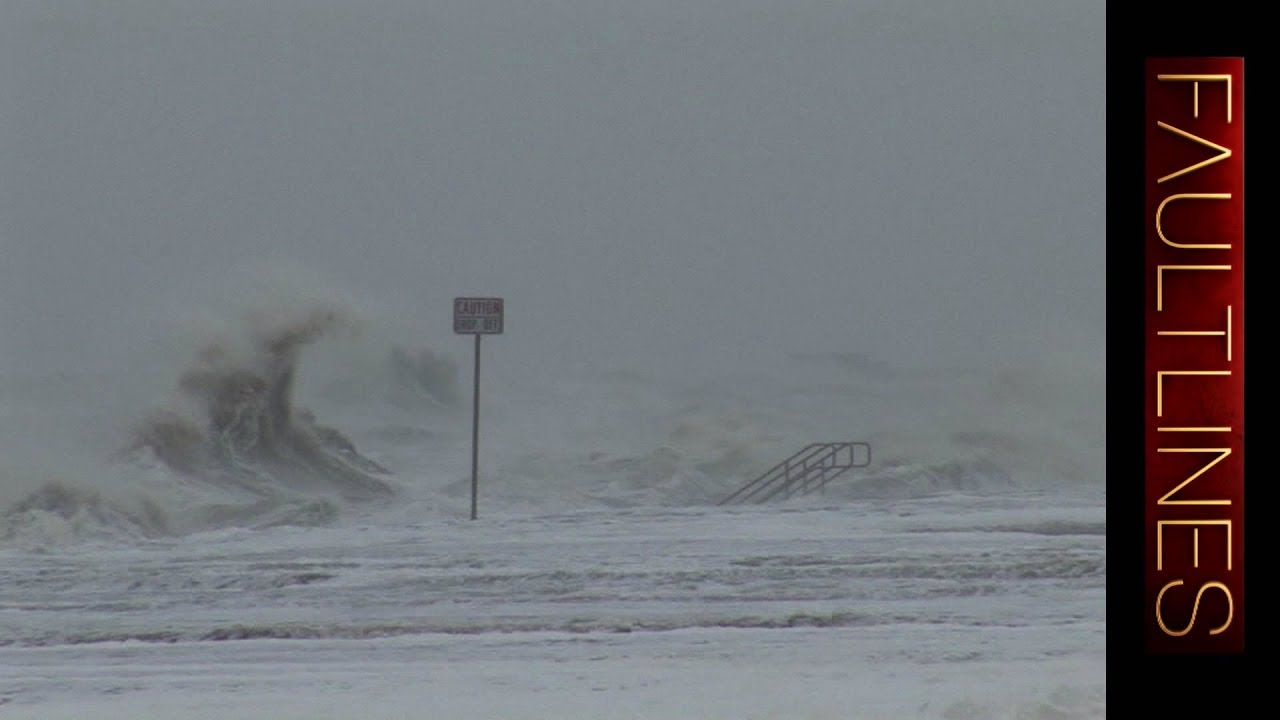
477 316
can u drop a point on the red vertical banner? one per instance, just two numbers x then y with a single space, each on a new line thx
1194 365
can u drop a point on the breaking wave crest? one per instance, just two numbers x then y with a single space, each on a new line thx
245 431
229 449
57 513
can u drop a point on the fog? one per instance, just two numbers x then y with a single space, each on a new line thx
674 184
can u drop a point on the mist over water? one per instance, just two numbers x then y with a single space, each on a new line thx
295 409
692 183
682 186
235 423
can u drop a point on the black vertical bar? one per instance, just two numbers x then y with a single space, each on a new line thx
475 429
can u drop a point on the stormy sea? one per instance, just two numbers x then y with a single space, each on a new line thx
278 527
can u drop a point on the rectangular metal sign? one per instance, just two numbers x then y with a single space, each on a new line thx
477 316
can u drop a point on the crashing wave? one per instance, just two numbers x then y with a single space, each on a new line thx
236 424
58 514
229 448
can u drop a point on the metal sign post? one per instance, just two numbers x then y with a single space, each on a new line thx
476 316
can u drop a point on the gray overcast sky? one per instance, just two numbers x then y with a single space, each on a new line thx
658 181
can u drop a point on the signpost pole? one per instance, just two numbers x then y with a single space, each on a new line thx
477 316
475 429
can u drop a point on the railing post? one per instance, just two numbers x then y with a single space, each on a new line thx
814 464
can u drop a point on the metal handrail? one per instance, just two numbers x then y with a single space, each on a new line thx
793 468
795 473
764 479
